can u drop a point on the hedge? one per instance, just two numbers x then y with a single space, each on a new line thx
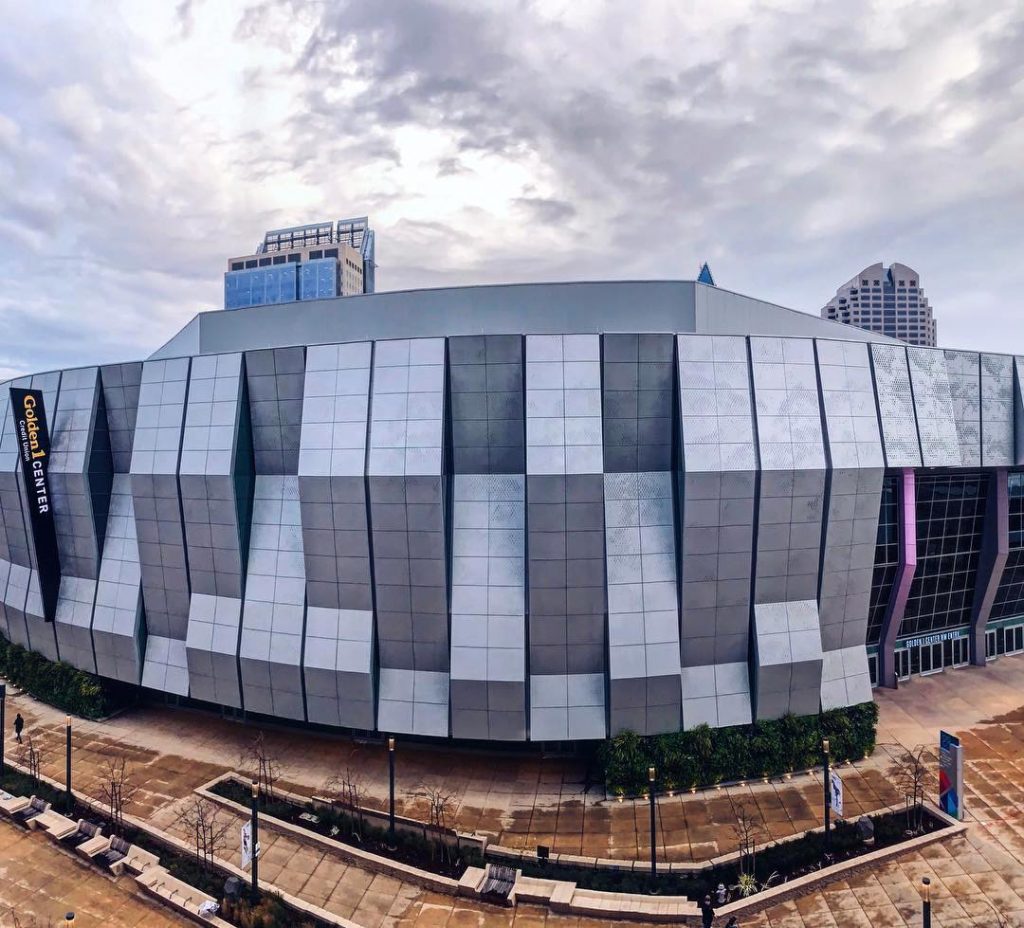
705 756
60 684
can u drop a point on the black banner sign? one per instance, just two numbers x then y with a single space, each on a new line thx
34 451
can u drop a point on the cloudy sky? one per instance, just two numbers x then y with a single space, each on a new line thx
788 143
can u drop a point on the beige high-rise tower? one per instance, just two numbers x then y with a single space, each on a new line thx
887 300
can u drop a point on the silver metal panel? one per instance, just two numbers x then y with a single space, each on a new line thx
157 499
896 406
717 423
273 614
563 404
338 653
117 627
786 403
165 668
211 649
965 393
488 623
215 479
643 615
848 396
940 443
406 424
997 410
787 659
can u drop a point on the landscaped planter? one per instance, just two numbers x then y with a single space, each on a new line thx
424 855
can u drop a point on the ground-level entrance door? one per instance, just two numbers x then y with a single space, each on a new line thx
920 657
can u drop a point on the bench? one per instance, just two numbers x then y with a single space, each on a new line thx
57 826
93 846
34 809
159 883
137 860
116 851
85 831
498 883
10 804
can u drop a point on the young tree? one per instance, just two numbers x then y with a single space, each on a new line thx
117 789
909 773
266 769
207 831
351 794
440 808
747 828
30 756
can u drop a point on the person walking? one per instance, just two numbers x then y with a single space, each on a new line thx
707 912
732 923
19 724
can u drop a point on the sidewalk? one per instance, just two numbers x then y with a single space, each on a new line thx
39 883
522 801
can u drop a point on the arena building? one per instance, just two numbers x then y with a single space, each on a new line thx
543 512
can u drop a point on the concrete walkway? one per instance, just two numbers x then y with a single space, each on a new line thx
523 800
39 884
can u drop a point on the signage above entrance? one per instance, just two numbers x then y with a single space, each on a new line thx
937 638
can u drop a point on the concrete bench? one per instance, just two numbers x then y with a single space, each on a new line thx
57 826
11 804
159 883
89 849
85 831
137 860
115 852
34 809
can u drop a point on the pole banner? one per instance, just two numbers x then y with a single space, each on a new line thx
951 775
33 439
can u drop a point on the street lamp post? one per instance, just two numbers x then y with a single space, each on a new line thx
67 763
926 902
255 841
391 793
828 795
654 846
69 919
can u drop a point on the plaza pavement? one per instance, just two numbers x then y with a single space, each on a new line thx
523 800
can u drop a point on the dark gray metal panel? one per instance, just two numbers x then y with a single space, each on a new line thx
486 401
637 399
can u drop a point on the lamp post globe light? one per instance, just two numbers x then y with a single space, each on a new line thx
391 792
255 841
654 847
827 785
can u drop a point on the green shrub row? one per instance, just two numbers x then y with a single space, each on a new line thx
705 756
60 684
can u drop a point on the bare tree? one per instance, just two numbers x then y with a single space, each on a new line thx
351 794
265 768
747 828
206 830
30 756
909 773
440 808
117 789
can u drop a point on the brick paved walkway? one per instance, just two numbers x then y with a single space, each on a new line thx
524 800
39 883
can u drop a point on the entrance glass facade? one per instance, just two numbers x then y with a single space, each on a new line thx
950 519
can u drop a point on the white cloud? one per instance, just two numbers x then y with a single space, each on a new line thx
790 143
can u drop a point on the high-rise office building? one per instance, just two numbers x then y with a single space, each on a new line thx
312 262
886 300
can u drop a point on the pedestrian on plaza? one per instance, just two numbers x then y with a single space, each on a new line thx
707 912
732 923
19 724
721 895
